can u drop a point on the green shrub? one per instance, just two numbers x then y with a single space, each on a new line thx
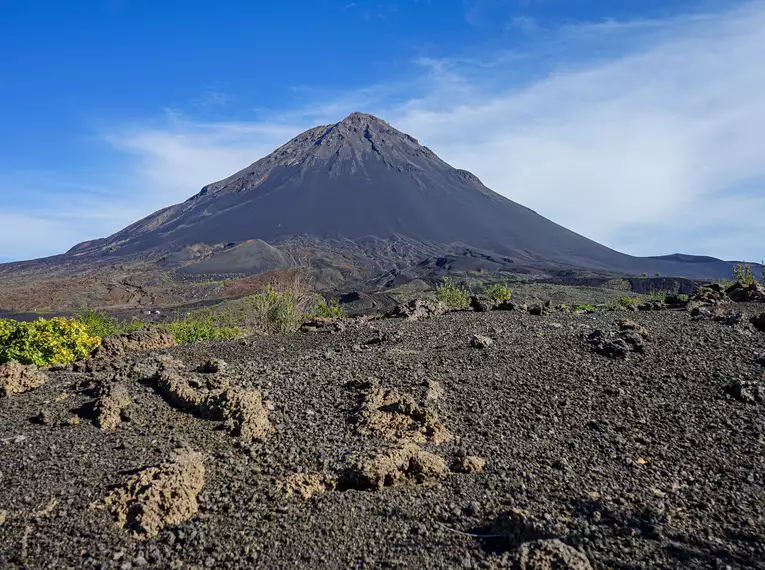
499 291
331 310
743 274
453 296
102 325
628 301
203 325
45 342
585 308
644 275
276 311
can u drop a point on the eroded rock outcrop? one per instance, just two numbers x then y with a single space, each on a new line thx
419 309
306 485
389 415
749 293
402 464
112 401
211 397
18 378
158 497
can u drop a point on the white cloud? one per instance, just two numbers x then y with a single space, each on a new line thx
657 139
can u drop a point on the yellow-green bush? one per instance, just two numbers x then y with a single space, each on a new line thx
45 342
451 295
203 325
500 292
331 310
102 325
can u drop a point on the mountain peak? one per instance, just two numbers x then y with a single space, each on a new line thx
358 118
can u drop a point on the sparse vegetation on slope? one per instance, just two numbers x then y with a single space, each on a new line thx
452 295
500 292
203 325
331 310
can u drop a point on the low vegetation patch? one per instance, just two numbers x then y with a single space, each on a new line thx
453 296
99 324
331 310
500 292
203 325
45 342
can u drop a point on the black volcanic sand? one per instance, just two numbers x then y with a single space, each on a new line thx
639 463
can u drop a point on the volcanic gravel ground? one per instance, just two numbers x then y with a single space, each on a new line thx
638 463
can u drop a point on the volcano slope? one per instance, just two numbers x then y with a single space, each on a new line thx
644 462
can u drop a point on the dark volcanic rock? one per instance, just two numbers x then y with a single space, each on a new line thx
758 322
740 293
419 309
482 303
710 294
749 392
637 463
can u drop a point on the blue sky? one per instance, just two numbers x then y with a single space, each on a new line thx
637 123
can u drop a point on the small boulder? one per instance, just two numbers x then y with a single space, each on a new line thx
419 309
630 325
407 463
758 322
748 392
482 303
324 324
469 464
244 414
18 378
155 498
750 293
540 309
710 294
110 406
480 341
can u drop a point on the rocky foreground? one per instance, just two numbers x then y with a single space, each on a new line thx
499 439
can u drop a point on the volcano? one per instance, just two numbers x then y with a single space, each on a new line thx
362 181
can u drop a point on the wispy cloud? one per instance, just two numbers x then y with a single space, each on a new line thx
648 140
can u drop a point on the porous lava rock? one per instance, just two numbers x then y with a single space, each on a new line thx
158 497
749 293
419 309
389 415
468 464
243 413
481 341
110 406
402 464
307 485
483 303
18 378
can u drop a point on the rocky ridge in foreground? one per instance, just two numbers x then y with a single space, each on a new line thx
404 443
